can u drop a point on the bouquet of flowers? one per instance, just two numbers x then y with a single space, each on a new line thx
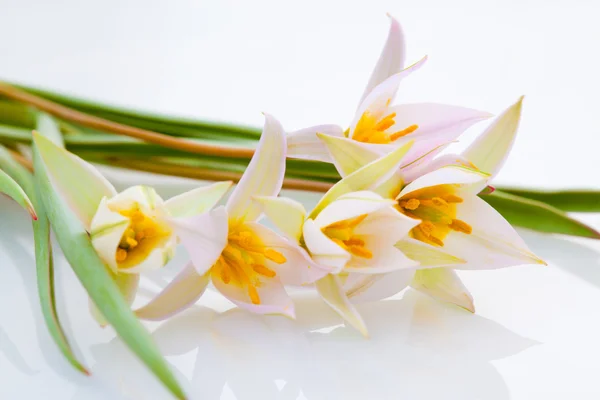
397 210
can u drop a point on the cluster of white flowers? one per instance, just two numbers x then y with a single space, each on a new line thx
401 215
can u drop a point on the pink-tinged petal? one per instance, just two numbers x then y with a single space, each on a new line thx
264 175
79 183
299 268
181 293
305 144
380 231
128 285
489 151
493 242
286 214
332 291
426 255
351 205
391 60
443 284
204 236
362 288
378 100
198 200
273 297
369 177
437 124
465 181
323 250
411 173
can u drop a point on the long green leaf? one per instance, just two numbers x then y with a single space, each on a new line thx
43 259
93 274
538 216
566 200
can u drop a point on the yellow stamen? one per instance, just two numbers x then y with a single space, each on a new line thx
137 217
121 255
360 251
385 122
274 256
354 241
426 227
340 243
461 226
263 270
452 198
410 204
149 232
436 241
404 132
253 293
131 242
438 201
139 236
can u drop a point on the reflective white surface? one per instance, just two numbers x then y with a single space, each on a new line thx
535 334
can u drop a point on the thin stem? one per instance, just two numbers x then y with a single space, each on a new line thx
91 121
209 174
21 160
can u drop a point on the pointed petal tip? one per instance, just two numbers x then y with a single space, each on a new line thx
31 212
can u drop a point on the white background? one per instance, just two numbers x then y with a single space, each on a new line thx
535 335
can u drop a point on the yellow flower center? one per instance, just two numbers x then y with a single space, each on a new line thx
342 233
436 207
139 239
371 129
242 262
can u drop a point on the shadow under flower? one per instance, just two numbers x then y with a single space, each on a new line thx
419 349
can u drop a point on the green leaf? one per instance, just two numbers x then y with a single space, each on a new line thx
43 259
12 189
93 274
565 200
538 216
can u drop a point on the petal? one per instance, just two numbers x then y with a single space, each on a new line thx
443 284
128 285
198 200
348 155
377 101
273 298
333 293
467 182
322 249
156 259
426 255
79 183
412 172
351 205
489 151
204 236
181 293
362 288
106 230
368 177
287 215
9 187
299 268
141 196
381 230
493 242
264 175
305 144
391 60
437 124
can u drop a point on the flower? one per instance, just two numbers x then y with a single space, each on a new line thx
351 232
247 262
131 231
468 233
380 126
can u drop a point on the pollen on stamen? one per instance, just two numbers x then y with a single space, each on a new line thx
354 241
253 293
263 270
360 251
121 255
460 226
403 132
131 242
438 201
436 241
410 204
275 256
386 122
452 198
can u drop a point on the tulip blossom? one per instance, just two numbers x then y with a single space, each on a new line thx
131 231
451 216
351 232
381 126
247 262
